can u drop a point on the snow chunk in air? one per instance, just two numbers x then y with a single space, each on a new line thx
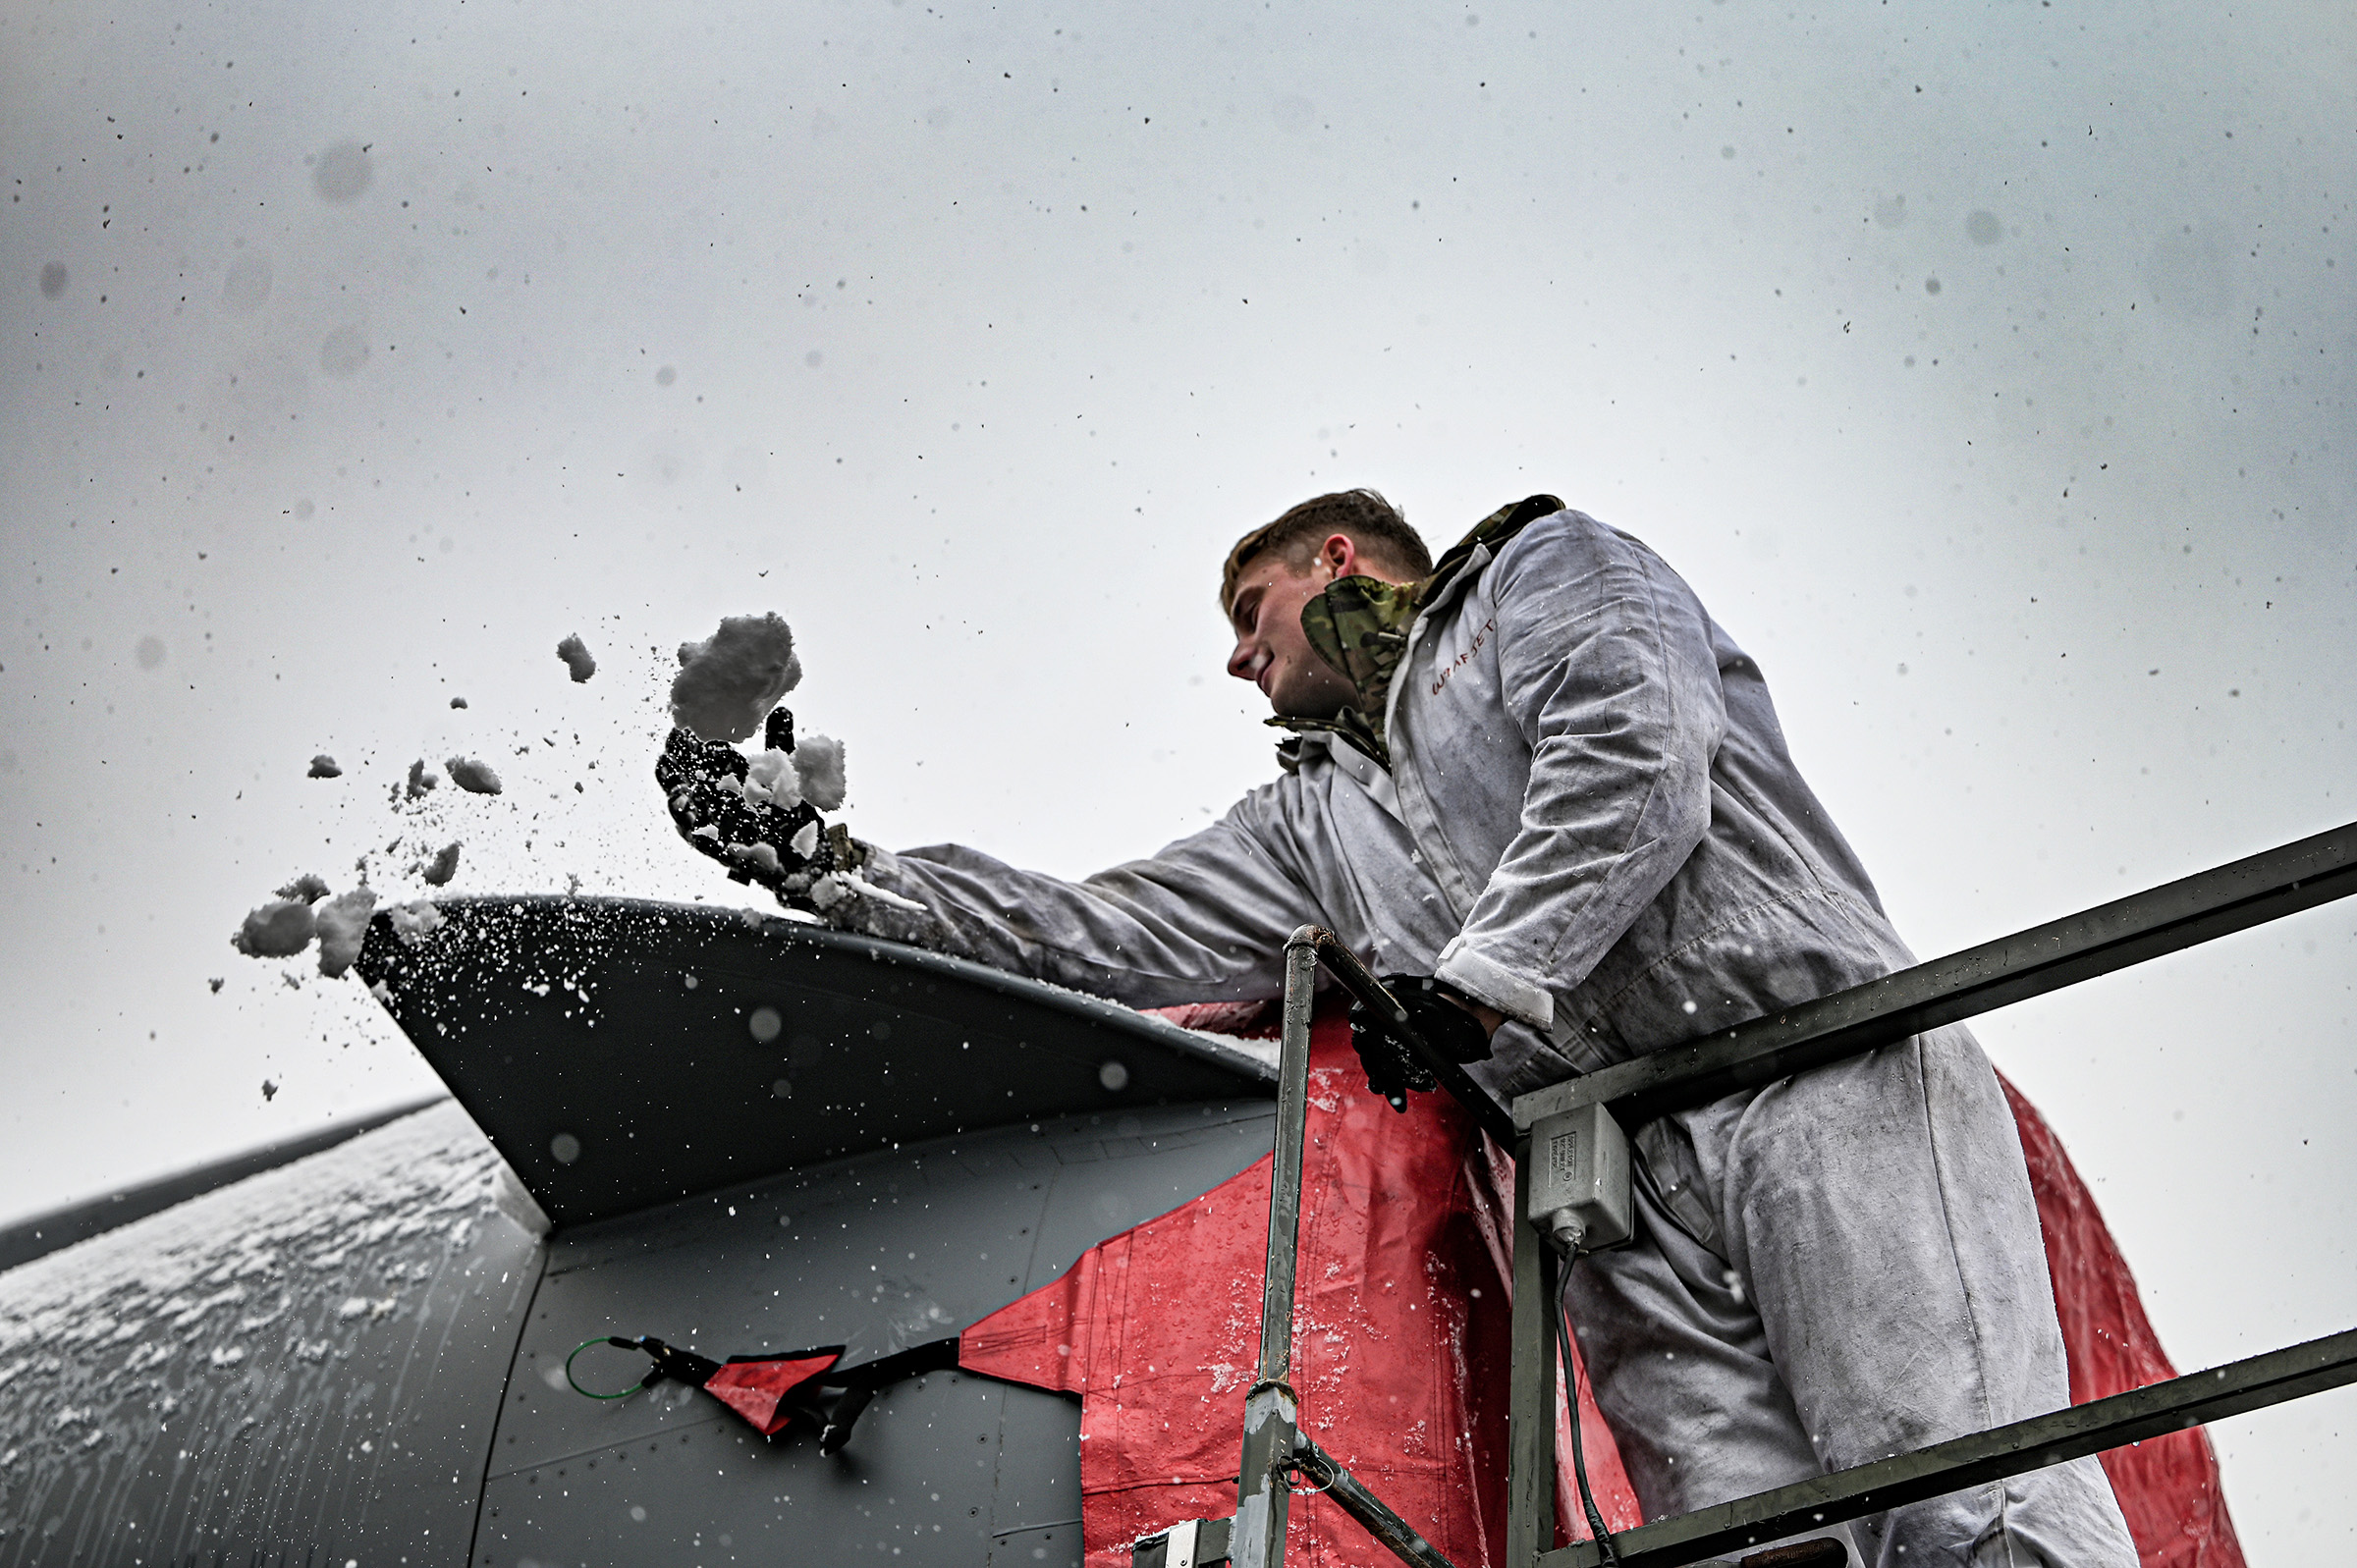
324 766
342 921
476 777
414 922
311 888
818 759
279 929
421 780
727 683
444 865
577 658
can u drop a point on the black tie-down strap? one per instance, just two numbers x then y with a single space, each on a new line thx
775 1391
859 1384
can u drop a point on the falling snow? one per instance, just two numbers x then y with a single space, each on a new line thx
727 683
279 929
474 776
343 922
577 658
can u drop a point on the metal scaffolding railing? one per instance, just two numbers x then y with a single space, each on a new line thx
2147 925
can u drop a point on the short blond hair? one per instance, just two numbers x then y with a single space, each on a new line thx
1375 527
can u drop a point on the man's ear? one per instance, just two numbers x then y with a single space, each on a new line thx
1340 554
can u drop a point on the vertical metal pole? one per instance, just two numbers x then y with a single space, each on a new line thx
1285 1176
1530 1409
1264 1481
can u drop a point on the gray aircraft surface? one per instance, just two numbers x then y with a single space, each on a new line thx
736 1133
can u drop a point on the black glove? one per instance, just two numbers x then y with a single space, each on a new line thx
703 783
1445 1025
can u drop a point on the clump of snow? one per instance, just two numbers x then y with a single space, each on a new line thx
829 895
476 777
444 865
279 929
421 780
818 759
804 842
311 888
771 777
577 658
885 896
457 702
216 983
812 772
414 922
758 856
727 683
342 921
324 766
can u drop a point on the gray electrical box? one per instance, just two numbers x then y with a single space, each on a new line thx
1579 1195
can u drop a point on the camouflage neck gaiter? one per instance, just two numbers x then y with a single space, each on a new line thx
1359 625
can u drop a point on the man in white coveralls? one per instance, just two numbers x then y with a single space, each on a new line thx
1542 775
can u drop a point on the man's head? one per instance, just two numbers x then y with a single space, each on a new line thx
1276 569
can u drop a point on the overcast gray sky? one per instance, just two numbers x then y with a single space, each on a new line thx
1988 369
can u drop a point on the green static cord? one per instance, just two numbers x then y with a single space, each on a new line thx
587 1393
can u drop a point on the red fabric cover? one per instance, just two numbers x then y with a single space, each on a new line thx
1158 1331
1404 1217
2168 1488
756 1387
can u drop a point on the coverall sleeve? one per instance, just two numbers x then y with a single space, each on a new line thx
1606 666
1204 919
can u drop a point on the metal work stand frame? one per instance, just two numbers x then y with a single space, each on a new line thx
2095 942
1275 1449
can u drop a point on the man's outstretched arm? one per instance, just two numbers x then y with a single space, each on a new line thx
1204 919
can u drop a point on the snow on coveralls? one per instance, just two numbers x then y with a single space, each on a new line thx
1566 792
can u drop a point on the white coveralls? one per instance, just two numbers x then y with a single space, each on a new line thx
1591 823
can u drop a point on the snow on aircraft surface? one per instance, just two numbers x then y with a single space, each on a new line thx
737 1133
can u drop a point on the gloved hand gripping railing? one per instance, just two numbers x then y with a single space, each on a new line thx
1384 1012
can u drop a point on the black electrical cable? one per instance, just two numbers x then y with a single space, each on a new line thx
1579 1464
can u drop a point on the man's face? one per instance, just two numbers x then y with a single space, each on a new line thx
1271 649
